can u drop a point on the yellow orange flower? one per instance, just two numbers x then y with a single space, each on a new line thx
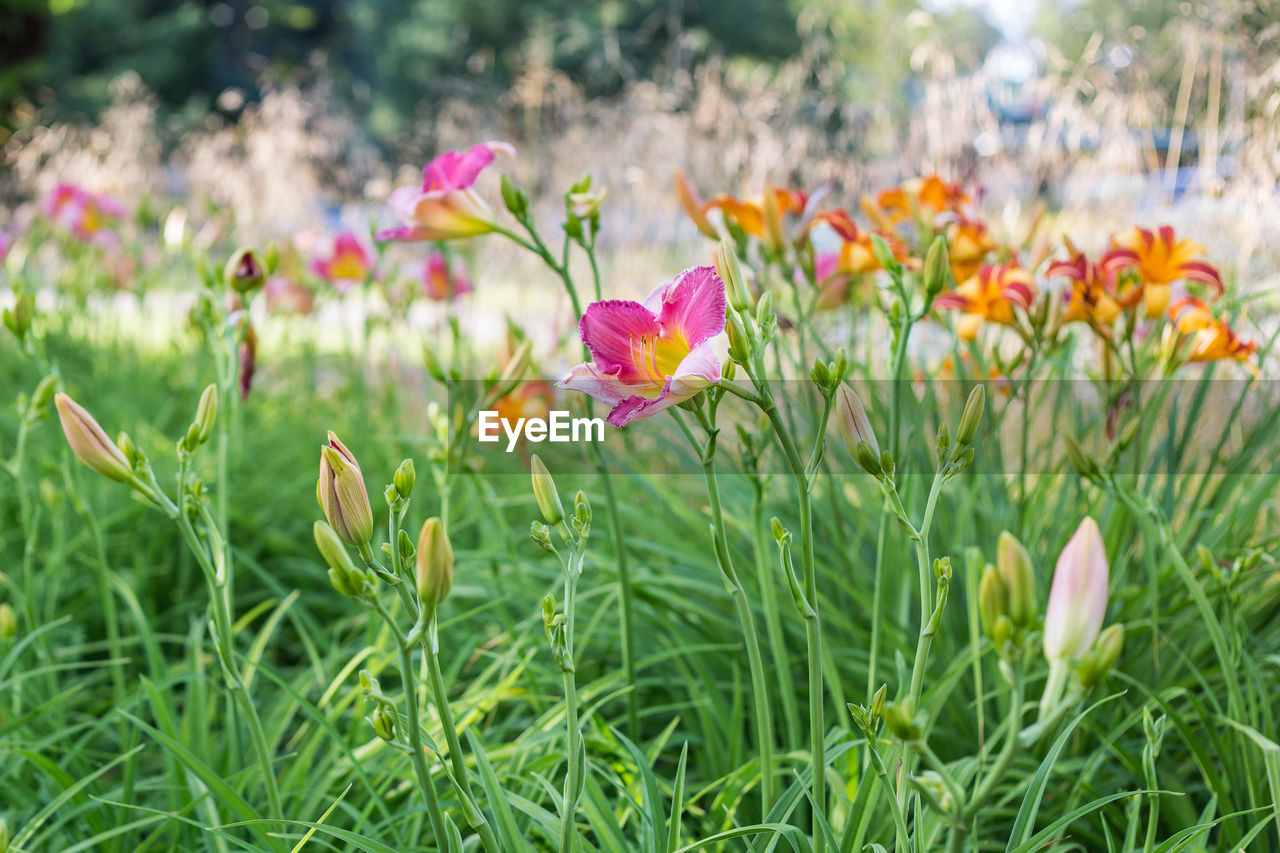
761 217
1091 299
1211 339
967 245
924 197
1159 258
989 295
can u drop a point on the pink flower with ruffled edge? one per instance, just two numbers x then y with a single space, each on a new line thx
85 214
441 283
646 357
350 263
446 208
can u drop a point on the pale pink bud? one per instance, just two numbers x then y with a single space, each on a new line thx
90 442
1078 598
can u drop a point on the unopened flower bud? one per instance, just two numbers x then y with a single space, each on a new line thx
739 343
877 703
937 267
514 199
434 563
384 723
331 548
544 491
404 479
1085 466
971 417
1078 597
43 396
901 719
731 273
18 318
516 366
1014 565
342 494
244 271
764 308
8 623
1101 659
206 414
992 599
855 427
541 535
90 442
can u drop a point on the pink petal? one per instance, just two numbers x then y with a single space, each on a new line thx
693 307
454 170
610 328
605 387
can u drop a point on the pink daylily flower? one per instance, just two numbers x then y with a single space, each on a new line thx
446 207
441 283
646 357
85 214
350 262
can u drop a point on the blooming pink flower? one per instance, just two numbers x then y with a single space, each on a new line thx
646 357
446 207
441 283
350 262
85 214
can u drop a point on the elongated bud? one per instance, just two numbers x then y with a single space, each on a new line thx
1014 565
1101 659
331 548
18 318
971 417
1078 597
43 396
404 479
731 272
518 363
89 441
772 219
342 494
544 491
855 426
244 272
764 308
1084 466
739 343
937 268
8 623
514 199
992 600
877 703
206 414
434 563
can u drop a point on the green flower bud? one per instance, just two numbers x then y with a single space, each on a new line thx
1097 664
336 555
739 343
206 414
1019 579
384 723
8 623
514 199
971 417
434 563
855 429
43 396
544 491
731 273
992 600
404 479
937 268
903 721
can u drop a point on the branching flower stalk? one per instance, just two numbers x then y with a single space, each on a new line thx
559 628
706 451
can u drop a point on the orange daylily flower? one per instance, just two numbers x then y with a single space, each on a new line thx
989 295
761 217
922 197
967 245
1092 298
1211 339
1159 259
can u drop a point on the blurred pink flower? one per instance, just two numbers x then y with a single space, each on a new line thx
648 357
441 283
446 207
286 296
87 215
349 263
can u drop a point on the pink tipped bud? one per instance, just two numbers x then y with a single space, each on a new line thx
90 442
342 494
434 573
1078 598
